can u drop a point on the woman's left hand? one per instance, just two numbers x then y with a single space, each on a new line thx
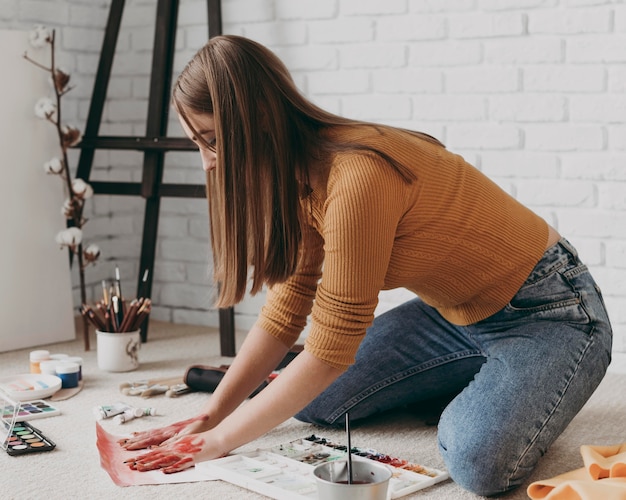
175 455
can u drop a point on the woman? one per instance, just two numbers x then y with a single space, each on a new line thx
326 212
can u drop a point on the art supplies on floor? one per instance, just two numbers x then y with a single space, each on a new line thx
24 438
18 437
170 386
285 471
121 412
30 410
30 386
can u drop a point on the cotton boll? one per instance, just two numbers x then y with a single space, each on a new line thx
53 166
68 209
91 253
45 108
61 80
39 36
70 136
82 189
69 237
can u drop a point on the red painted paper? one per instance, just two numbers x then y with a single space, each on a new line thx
112 457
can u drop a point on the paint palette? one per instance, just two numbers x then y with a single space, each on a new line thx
24 438
30 410
30 386
19 437
285 471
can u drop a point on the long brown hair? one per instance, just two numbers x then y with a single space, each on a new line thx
267 136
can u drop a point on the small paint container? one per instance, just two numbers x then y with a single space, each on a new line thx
49 366
127 415
37 357
107 411
59 356
79 361
68 373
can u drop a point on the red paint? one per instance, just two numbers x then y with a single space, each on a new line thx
172 457
116 461
155 437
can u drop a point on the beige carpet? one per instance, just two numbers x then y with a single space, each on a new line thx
73 471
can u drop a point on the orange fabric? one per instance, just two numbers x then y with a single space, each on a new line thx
452 236
602 478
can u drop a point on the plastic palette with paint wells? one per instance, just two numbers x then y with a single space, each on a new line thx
18 437
285 471
31 410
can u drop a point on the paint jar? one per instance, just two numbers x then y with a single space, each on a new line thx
49 366
68 373
59 356
370 481
118 352
79 361
37 357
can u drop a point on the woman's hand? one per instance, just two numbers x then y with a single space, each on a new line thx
163 435
173 456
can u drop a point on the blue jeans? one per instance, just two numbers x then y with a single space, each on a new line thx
517 378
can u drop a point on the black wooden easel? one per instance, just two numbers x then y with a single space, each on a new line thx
154 144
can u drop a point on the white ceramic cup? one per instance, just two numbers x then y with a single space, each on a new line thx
118 352
370 480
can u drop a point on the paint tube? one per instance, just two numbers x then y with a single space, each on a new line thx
108 411
132 413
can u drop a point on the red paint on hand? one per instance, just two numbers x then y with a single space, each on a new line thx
155 437
170 458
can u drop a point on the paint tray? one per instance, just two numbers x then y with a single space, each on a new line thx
285 471
9 410
30 410
29 386
18 437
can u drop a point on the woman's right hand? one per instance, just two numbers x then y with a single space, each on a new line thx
156 437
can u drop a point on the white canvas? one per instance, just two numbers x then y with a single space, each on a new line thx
35 287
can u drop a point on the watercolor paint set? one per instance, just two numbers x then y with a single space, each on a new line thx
285 471
24 438
30 410
18 437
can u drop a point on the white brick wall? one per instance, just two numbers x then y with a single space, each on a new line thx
531 91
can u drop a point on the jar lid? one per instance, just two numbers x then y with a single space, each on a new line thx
38 355
49 364
66 367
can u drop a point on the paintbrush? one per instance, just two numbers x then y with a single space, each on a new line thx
129 317
154 390
154 381
93 317
105 294
177 390
142 313
118 282
349 448
117 313
135 390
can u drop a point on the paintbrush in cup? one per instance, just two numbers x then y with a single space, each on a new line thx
349 448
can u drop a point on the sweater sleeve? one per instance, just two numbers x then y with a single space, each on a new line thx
288 304
364 204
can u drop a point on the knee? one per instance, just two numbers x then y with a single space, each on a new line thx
478 464
312 414
475 473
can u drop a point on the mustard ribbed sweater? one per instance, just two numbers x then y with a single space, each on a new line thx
452 236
